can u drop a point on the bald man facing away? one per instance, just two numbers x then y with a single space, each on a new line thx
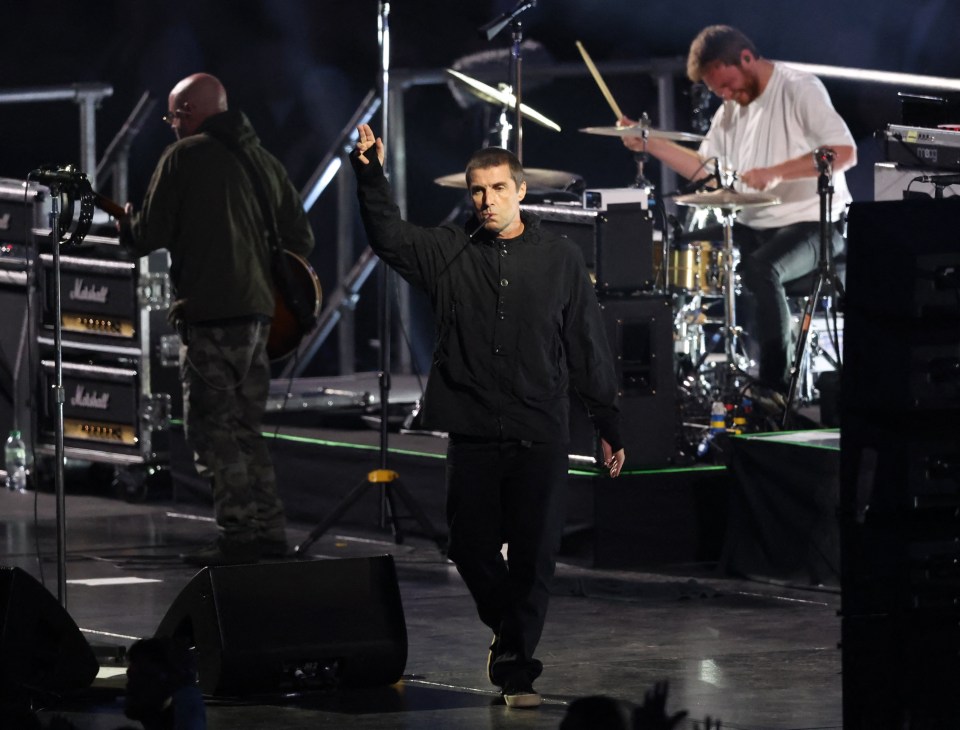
201 206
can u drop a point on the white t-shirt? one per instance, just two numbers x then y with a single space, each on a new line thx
793 116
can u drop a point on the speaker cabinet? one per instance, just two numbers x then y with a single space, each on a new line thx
899 461
640 333
41 648
616 242
275 627
17 348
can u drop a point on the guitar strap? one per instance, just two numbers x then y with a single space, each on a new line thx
301 308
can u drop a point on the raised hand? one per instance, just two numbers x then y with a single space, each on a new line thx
366 141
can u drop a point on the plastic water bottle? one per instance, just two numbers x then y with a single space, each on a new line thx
15 462
718 418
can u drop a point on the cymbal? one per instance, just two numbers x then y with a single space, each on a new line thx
536 178
726 198
496 96
637 130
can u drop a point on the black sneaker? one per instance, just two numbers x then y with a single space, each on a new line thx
521 695
224 552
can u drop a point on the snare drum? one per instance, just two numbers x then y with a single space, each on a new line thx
695 267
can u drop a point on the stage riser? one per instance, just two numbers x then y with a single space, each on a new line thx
636 521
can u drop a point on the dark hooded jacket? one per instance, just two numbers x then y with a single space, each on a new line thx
201 206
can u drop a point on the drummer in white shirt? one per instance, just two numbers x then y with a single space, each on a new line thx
774 123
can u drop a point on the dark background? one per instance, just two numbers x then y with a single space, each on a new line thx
299 69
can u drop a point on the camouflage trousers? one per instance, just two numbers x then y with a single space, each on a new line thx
225 373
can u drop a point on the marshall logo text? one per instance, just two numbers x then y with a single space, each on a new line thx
82 399
81 293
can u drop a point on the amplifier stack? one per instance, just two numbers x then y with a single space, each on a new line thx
119 356
614 230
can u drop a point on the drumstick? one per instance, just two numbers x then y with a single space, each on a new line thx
599 79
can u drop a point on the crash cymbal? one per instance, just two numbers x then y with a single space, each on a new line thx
536 179
728 199
637 130
496 96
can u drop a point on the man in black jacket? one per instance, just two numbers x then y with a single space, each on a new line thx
201 205
518 324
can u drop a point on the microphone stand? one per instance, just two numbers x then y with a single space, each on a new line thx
58 398
74 184
387 479
490 31
827 282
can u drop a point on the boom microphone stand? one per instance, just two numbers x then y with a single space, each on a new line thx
386 479
827 282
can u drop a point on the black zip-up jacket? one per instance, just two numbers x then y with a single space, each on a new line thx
517 323
201 206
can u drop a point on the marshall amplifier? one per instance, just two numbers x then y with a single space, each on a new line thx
616 239
105 294
103 409
98 297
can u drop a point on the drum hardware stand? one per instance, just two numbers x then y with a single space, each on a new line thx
729 384
827 282
490 31
641 182
387 479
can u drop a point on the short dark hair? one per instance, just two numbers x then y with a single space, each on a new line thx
494 157
717 43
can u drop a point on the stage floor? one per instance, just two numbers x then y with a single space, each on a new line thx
754 654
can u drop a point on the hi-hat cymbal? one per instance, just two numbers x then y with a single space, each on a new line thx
727 199
496 96
536 179
637 130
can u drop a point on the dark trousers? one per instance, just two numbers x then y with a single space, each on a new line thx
507 492
769 258
225 373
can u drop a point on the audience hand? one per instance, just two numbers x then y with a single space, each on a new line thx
652 714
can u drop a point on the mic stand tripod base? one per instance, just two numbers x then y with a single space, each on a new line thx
827 280
389 481
827 284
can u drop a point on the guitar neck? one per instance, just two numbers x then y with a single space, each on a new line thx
108 206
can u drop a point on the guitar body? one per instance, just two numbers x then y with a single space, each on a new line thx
286 333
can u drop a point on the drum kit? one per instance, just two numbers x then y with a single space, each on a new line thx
699 276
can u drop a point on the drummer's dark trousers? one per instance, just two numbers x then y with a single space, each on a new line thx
507 492
769 258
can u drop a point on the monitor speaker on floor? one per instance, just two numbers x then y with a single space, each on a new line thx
41 648
281 627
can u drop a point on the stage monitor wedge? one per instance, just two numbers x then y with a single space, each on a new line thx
41 648
290 626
